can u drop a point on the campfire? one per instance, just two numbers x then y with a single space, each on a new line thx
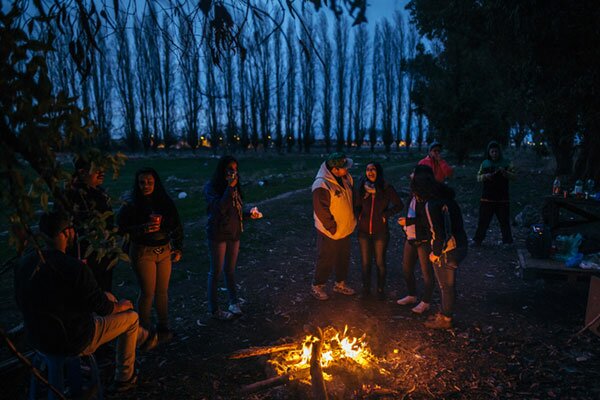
336 347
323 356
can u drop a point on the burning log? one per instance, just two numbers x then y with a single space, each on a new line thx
316 372
265 384
261 351
273 382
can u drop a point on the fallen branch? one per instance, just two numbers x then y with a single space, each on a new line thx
592 322
260 351
265 384
274 381
316 372
26 361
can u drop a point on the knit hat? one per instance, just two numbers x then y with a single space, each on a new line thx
434 145
338 160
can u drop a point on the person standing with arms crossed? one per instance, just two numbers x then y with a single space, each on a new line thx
335 222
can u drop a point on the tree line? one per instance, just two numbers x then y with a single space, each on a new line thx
159 79
509 69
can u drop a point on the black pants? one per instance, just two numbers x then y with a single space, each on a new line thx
373 245
487 209
445 274
332 255
412 252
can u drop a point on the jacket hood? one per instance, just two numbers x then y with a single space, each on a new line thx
325 173
447 192
493 144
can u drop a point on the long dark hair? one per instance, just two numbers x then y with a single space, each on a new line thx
424 185
219 180
159 195
379 181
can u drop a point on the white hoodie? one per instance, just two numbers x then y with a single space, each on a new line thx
341 207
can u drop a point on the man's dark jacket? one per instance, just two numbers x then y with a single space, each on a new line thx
58 299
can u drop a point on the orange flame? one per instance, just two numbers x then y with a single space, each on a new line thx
336 346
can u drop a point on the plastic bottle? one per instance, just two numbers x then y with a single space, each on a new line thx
556 187
578 191
589 186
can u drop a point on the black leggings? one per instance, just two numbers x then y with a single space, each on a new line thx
487 210
373 245
411 253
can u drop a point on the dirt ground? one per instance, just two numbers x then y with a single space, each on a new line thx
511 339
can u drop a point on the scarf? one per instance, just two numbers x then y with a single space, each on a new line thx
237 203
411 230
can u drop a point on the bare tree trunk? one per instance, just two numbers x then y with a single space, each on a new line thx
399 72
278 140
341 41
374 87
126 83
291 87
361 51
388 83
327 54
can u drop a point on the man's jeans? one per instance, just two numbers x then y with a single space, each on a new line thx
124 327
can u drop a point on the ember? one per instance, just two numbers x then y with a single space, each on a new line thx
337 348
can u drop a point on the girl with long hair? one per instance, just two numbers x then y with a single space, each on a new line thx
417 247
375 202
156 238
224 228
448 241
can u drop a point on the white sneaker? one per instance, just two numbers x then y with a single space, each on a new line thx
235 309
341 287
406 300
420 308
318 292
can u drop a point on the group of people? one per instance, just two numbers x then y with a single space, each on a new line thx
65 291
431 219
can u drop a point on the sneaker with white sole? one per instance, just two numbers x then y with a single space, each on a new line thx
235 309
407 300
341 287
420 308
318 292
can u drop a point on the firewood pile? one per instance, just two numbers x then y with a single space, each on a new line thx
325 363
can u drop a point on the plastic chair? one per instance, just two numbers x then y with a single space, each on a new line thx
56 366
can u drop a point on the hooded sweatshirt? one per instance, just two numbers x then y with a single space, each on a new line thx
332 204
440 241
496 188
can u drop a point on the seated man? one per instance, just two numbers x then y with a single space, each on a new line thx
66 312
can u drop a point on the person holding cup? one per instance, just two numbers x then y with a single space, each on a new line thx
151 219
417 247
224 227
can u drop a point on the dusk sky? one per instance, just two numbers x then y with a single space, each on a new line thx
383 8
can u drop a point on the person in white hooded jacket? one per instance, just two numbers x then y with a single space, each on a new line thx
335 222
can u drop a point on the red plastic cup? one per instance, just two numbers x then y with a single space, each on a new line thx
155 219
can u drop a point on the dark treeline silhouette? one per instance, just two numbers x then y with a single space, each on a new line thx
157 81
510 69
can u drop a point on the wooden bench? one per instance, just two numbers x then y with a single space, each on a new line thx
533 268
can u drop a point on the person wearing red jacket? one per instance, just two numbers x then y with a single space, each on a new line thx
441 169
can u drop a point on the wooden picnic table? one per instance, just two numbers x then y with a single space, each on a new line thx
534 268
568 216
